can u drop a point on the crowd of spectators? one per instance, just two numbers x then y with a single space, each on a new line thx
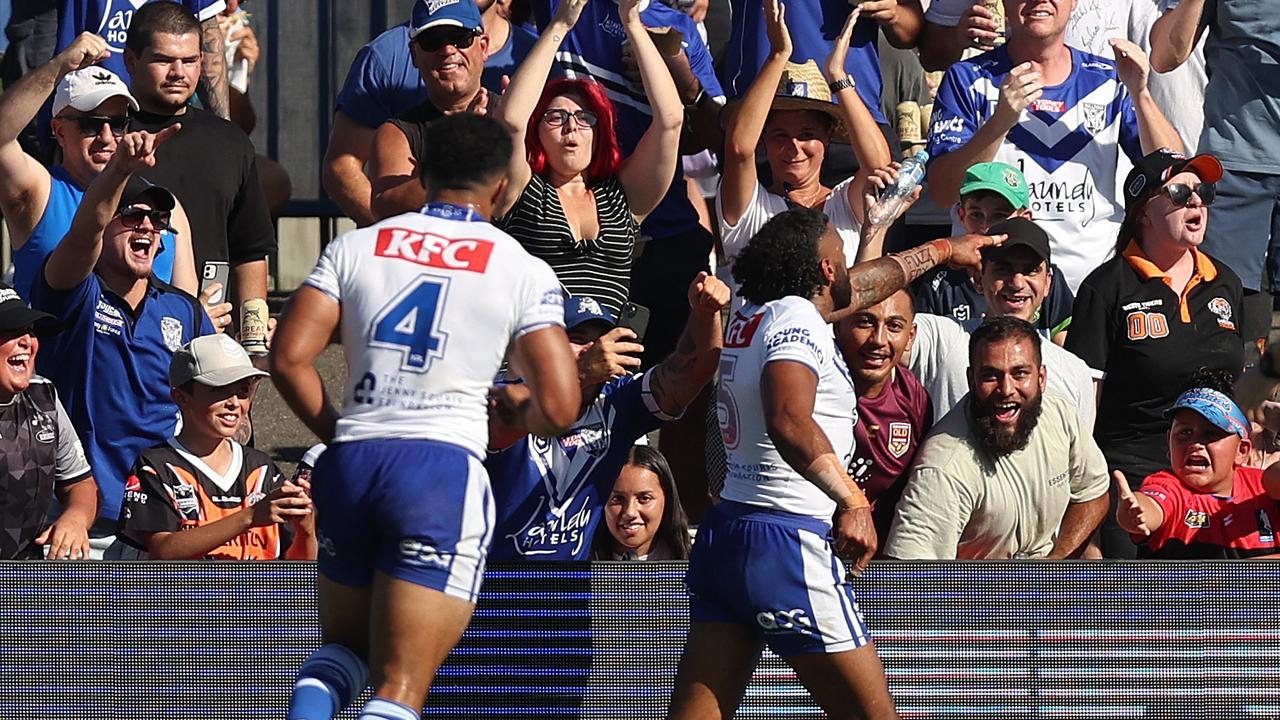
1099 387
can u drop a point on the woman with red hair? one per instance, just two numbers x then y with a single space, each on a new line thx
573 200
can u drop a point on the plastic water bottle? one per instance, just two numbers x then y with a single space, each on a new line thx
909 176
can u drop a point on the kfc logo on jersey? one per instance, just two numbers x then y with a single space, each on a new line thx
1220 307
741 329
432 250
899 438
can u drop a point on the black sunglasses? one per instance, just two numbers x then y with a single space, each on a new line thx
92 124
556 117
132 217
1180 194
433 40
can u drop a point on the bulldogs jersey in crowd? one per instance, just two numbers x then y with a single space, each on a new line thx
549 493
1068 144
787 329
430 301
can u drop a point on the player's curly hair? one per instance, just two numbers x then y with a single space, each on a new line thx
1219 379
782 259
463 152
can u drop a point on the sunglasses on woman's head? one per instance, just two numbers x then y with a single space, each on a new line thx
132 217
1180 193
90 125
557 117
434 39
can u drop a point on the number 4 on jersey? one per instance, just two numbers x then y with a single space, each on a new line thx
410 323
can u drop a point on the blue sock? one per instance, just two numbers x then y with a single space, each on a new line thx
380 709
328 681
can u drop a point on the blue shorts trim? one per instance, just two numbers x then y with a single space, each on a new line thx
417 510
775 572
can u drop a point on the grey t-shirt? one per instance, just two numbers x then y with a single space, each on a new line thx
1242 100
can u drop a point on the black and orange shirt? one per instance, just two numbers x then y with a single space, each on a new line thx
1144 341
171 490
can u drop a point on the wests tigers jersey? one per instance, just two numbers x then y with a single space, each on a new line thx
171 490
430 301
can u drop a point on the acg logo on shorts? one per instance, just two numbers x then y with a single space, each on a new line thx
794 620
418 553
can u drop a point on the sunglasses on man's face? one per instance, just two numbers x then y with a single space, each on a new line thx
132 217
433 40
1180 193
90 125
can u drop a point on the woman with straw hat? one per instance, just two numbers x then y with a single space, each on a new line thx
793 108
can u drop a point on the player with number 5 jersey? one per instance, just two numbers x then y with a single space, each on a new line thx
764 568
428 304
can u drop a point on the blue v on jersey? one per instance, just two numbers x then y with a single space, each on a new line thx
549 493
1071 144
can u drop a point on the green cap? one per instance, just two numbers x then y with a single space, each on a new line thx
1006 180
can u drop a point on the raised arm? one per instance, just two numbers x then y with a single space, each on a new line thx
647 173
875 280
1021 87
1175 34
738 178
522 95
185 275
73 260
24 182
788 389
1154 129
869 145
1136 514
678 379
213 68
901 20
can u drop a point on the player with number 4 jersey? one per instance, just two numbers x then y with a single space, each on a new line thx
428 305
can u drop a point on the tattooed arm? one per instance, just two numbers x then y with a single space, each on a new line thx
878 279
676 381
213 69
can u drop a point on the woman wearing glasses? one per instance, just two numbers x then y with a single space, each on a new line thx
573 200
1147 319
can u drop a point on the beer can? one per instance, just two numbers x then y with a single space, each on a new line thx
997 9
926 117
253 326
908 121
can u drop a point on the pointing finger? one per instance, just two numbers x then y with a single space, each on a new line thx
1122 485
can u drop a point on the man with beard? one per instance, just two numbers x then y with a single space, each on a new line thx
1010 472
894 410
763 569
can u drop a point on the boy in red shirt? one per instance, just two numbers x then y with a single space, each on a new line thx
1207 505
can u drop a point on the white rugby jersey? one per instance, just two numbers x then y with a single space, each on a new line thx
1071 144
430 300
786 329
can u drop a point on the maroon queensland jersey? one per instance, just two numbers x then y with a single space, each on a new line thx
1201 525
887 434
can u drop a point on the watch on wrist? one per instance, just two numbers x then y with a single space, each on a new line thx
841 84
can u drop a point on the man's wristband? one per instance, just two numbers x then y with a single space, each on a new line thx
830 476
841 84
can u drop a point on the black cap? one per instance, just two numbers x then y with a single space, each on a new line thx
15 315
1021 231
139 189
1151 173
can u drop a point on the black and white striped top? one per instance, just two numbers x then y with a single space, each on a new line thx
599 267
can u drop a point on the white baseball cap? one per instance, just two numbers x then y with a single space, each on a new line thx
87 88
213 360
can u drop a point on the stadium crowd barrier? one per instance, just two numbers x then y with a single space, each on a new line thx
975 640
